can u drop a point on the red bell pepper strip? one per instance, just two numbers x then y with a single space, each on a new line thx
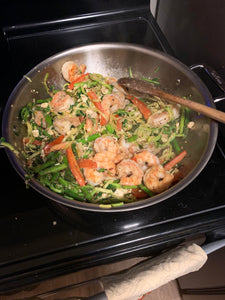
74 166
58 140
140 105
175 160
87 163
118 123
98 105
78 79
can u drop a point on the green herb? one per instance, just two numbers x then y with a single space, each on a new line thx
154 80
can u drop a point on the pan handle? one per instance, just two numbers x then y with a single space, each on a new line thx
212 79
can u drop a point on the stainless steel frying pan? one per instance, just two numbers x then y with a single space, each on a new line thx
115 59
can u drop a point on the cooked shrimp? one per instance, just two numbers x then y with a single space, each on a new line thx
157 179
61 102
146 159
93 177
126 150
159 119
131 147
91 123
71 71
112 102
151 148
39 118
129 172
105 160
106 144
176 110
63 124
113 81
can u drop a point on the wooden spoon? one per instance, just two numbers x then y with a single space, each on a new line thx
143 88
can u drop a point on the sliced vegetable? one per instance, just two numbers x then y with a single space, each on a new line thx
53 169
90 138
132 138
9 146
119 124
98 105
87 163
175 160
109 128
74 167
58 140
78 79
141 106
60 146
146 190
176 146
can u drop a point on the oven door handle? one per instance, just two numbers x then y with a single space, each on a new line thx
194 254
213 246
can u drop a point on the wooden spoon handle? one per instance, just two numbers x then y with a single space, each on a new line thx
138 87
198 107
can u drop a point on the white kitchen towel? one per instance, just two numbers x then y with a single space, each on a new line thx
153 273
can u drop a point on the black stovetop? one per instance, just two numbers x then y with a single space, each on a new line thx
37 242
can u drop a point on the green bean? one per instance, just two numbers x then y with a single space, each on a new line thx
130 186
89 139
54 177
57 189
9 146
40 101
182 120
45 181
87 194
53 169
43 166
48 120
146 190
132 138
53 155
117 204
75 194
114 185
176 146
109 128
64 182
